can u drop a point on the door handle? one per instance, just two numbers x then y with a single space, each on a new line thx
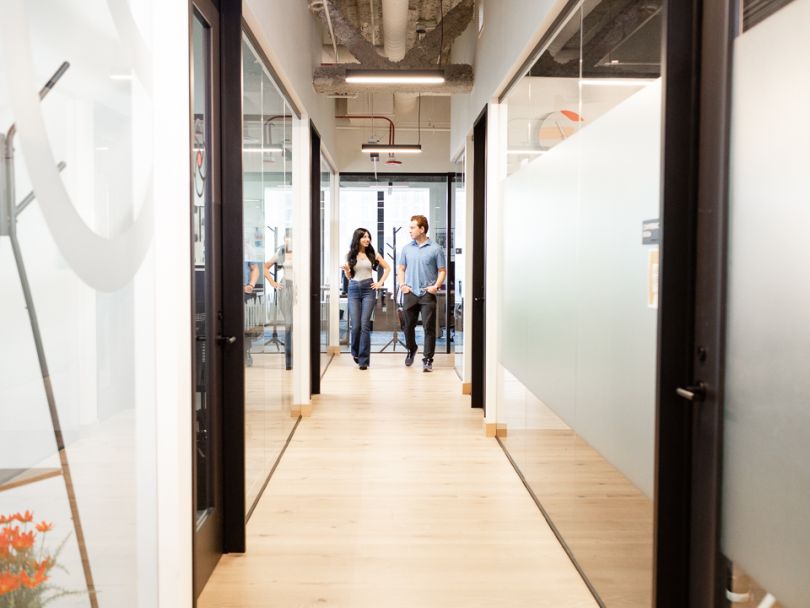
696 392
226 339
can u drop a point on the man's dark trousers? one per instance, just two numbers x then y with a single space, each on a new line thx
413 305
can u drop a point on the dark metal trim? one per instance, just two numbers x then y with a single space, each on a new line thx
451 264
478 260
314 261
207 537
553 527
272 470
707 571
548 36
233 363
680 71
696 60
267 64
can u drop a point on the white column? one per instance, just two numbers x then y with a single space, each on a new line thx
301 226
469 205
496 148
172 339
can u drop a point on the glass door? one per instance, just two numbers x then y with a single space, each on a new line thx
765 488
206 305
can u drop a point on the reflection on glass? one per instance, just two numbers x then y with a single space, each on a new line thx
458 259
98 347
201 208
268 270
385 207
326 266
583 157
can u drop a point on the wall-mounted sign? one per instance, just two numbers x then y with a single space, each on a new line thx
651 232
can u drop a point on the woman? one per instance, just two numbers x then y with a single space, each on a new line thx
361 262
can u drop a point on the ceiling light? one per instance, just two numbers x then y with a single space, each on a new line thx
121 76
615 82
395 76
392 148
263 150
526 151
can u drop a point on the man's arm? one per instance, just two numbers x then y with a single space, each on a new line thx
401 279
439 280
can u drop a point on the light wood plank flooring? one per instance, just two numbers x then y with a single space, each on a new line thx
391 496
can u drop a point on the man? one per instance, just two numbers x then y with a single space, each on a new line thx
420 272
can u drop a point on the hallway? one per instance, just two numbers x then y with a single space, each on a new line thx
390 495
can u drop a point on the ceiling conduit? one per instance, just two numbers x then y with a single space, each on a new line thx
395 44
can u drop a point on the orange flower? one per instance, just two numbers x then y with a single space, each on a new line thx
44 526
39 578
4 519
23 541
8 582
25 518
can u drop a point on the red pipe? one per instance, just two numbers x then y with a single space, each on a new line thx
391 127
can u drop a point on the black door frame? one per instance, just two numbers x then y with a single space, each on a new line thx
228 426
450 178
315 245
233 419
207 534
479 260
689 568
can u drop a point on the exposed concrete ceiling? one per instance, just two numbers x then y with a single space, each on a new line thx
358 31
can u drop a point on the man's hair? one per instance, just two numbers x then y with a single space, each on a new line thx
421 221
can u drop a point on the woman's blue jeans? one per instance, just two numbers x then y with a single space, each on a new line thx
361 304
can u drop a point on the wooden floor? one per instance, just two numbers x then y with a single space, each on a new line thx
391 496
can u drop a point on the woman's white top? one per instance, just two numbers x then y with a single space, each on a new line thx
362 270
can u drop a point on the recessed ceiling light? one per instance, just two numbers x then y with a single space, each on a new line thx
615 82
395 76
392 148
121 76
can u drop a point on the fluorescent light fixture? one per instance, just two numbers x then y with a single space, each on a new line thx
615 82
392 148
263 150
395 76
526 151
121 76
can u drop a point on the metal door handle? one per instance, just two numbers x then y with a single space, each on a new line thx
695 392
226 339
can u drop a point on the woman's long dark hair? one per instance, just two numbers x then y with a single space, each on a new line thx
354 249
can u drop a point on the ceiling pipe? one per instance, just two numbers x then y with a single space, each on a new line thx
391 127
395 44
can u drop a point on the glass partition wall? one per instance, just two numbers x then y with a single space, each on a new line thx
578 272
765 532
327 177
384 206
78 413
457 257
268 270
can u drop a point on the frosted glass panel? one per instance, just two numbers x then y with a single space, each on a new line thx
580 333
766 487
78 418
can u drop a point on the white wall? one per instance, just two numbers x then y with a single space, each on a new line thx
511 31
290 37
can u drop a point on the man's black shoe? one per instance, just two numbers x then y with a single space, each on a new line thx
409 358
364 367
356 360
427 365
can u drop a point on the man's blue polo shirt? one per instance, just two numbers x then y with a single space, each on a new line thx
422 263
